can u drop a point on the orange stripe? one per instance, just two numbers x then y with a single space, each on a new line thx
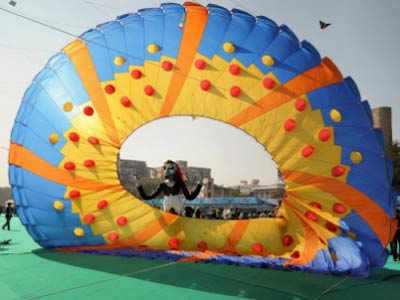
80 57
371 212
151 230
22 157
322 75
235 236
195 22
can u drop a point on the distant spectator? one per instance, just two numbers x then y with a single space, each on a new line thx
395 243
188 211
9 215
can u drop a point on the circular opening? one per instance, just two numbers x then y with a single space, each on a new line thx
238 178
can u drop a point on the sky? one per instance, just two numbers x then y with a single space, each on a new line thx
363 41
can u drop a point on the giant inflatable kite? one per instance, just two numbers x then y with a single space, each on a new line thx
246 71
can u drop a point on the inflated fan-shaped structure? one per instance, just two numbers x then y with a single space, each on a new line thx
226 65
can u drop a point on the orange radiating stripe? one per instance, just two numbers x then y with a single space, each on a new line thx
195 22
371 212
235 235
80 57
322 75
22 157
151 230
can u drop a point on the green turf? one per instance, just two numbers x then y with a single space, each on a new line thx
28 272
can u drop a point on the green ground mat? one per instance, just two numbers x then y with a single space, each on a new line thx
28 272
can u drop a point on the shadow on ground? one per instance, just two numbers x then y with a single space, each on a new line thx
237 281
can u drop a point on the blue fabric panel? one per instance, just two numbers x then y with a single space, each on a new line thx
47 107
153 20
134 38
114 35
65 72
34 143
376 184
237 32
350 258
377 255
261 35
97 45
300 61
174 15
30 181
213 35
367 109
56 92
284 44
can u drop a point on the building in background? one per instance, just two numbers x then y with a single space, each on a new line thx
130 171
382 118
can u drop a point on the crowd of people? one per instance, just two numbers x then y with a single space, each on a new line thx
228 213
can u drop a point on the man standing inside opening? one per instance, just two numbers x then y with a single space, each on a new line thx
172 186
9 215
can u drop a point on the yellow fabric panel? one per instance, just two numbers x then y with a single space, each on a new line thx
88 125
139 223
105 157
107 222
92 197
302 206
294 228
217 103
265 231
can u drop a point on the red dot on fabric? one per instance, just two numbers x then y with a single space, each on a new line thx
73 137
89 218
102 204
113 236
136 74
300 104
338 171
235 91
205 85
295 254
122 221
173 244
257 248
126 102
289 125
89 163
324 134
149 90
70 166
74 194
339 208
307 151
287 240
93 140
88 110
316 205
331 227
200 64
234 69
110 89
167 65
268 83
202 246
311 215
